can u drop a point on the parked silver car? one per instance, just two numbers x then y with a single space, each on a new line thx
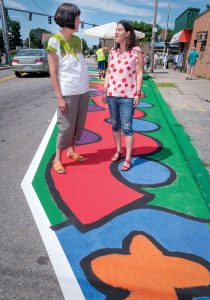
30 61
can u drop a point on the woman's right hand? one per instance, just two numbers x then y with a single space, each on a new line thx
104 98
62 105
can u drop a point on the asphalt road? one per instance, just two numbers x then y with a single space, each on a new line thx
27 106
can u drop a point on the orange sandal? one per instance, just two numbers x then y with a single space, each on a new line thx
76 157
126 166
58 167
117 156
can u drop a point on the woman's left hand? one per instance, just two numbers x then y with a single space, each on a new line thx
136 101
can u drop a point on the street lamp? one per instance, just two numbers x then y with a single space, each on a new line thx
154 30
166 32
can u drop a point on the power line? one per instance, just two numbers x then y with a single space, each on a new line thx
28 11
34 1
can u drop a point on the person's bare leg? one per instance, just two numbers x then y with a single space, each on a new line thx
58 154
57 164
191 71
117 139
70 150
129 146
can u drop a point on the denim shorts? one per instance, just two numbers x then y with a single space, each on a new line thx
101 65
121 112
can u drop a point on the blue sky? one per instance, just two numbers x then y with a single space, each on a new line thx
100 12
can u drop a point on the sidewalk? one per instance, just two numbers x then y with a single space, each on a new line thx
189 101
4 66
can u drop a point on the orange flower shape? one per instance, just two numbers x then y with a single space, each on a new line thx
148 273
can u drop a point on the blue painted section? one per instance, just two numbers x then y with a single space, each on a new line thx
202 298
145 172
174 233
144 105
142 125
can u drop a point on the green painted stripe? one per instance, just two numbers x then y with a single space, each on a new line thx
189 193
199 172
54 215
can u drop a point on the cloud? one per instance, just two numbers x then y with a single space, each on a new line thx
112 6
15 4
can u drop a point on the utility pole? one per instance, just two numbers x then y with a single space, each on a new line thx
166 32
154 30
5 32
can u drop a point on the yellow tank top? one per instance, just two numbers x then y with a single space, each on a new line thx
100 54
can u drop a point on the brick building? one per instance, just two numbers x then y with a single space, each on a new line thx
183 32
201 40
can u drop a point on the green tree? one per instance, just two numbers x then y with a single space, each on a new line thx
84 45
146 28
1 40
170 33
13 28
15 37
36 37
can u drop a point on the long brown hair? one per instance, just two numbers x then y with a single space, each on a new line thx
132 40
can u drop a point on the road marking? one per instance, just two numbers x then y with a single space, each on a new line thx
7 78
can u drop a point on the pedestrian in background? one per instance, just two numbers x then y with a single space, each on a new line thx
156 60
165 61
106 54
147 61
192 58
101 61
70 81
122 88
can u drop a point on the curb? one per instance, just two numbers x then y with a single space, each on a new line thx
5 67
195 164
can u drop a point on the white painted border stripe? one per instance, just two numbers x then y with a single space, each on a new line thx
63 270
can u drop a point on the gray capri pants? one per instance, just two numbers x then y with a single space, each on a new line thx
71 123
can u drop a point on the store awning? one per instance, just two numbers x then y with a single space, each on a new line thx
182 36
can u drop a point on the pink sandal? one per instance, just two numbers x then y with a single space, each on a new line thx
126 166
116 156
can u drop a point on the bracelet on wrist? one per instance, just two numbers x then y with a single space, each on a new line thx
137 93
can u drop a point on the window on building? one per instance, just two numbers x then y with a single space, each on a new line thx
203 46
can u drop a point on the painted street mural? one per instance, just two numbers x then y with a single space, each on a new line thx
141 234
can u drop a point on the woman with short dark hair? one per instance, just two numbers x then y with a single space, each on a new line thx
70 81
122 88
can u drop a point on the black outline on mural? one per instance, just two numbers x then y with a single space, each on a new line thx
135 186
73 220
95 141
112 293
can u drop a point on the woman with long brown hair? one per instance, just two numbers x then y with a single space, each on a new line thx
122 88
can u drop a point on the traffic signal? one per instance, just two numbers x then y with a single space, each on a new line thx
10 36
30 16
82 24
6 12
49 20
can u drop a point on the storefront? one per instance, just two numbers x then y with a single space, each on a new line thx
183 32
201 41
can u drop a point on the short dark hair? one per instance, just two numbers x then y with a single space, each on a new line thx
65 15
132 40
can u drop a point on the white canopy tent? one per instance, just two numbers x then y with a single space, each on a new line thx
107 31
